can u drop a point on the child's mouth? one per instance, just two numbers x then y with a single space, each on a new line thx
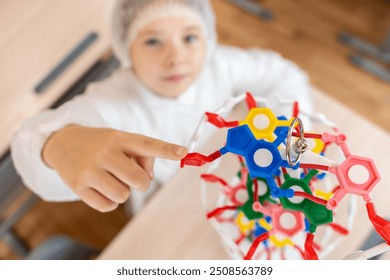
175 78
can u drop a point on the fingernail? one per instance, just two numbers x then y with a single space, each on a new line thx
180 151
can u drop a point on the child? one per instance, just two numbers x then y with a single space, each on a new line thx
102 145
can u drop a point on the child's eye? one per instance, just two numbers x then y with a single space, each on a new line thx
152 42
190 38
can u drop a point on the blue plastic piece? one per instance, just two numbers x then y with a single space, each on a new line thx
307 225
241 141
259 230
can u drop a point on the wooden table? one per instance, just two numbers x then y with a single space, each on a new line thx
35 37
172 225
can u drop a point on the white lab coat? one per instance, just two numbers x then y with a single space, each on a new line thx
122 102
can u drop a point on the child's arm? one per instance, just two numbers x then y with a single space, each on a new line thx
100 164
111 103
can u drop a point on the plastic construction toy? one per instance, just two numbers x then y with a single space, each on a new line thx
283 191
253 138
344 172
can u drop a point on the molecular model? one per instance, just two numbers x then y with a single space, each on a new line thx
283 192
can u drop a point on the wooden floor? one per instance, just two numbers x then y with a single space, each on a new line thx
304 31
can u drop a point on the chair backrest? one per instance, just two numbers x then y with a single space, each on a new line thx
11 188
62 247
11 185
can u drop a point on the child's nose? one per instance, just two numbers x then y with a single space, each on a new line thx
175 55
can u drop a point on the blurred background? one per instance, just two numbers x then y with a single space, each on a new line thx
343 45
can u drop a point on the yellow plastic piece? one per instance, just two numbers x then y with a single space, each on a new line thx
324 195
244 227
318 146
262 122
281 243
264 224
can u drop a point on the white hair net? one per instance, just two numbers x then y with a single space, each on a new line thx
125 11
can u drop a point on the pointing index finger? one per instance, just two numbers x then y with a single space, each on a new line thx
151 147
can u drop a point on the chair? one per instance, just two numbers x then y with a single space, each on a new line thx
55 248
11 188
62 247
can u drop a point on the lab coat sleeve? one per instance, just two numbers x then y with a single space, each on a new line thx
28 141
265 73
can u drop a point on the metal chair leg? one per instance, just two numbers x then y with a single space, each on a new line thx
254 8
379 53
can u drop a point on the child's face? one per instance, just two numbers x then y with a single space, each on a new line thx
168 54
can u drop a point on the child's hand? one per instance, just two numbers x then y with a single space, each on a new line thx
100 164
